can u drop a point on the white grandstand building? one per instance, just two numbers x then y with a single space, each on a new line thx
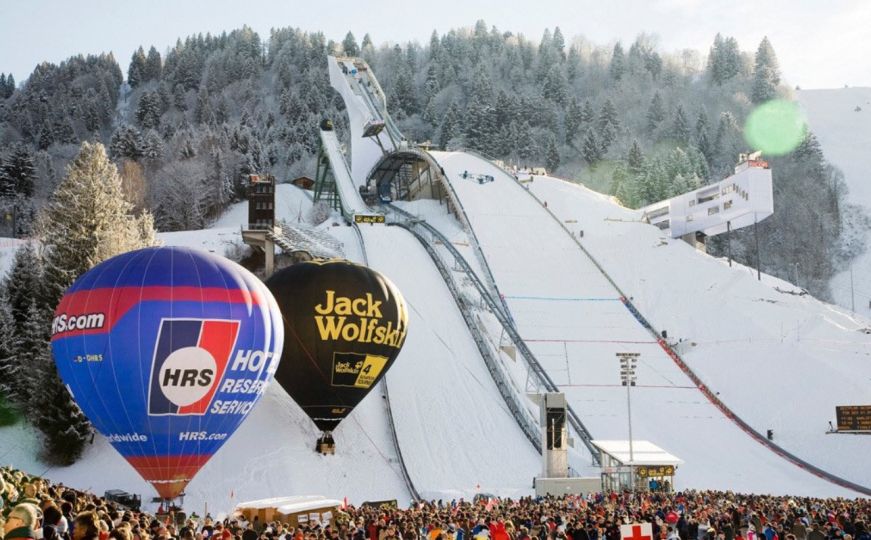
738 201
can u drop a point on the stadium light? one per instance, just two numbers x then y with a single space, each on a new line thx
628 363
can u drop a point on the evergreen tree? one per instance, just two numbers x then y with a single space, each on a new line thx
655 113
587 115
450 124
10 380
624 184
574 118
680 130
22 284
591 149
701 123
766 75
573 64
87 221
618 62
810 155
127 143
60 419
17 172
10 87
724 60
405 95
203 110
552 158
152 146
153 65
556 87
137 70
349 45
635 158
526 144
480 125
608 125
31 344
559 43
148 111
728 143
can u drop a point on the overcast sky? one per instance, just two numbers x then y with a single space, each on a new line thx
820 44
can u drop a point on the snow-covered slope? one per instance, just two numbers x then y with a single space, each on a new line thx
574 322
779 360
451 420
845 135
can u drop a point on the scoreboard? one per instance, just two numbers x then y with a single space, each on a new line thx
853 417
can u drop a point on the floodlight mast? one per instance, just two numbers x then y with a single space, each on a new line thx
628 363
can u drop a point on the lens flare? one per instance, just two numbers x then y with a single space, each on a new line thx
776 127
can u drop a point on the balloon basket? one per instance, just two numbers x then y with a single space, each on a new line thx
326 444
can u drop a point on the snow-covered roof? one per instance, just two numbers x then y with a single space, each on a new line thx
290 505
643 452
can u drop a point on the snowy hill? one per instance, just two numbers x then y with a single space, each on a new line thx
779 360
569 313
845 135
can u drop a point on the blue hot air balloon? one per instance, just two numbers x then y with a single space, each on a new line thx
166 350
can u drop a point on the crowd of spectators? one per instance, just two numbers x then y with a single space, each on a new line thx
32 508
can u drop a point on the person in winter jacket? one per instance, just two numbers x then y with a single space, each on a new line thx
51 518
21 522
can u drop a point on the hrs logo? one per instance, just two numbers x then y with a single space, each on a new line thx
190 359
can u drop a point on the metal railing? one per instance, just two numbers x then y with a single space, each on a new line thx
527 425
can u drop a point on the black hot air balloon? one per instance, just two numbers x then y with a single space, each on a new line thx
344 326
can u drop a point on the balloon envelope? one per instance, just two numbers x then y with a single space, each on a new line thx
166 350
344 325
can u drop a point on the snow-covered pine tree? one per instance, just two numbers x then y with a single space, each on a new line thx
148 111
635 158
31 342
86 221
680 129
10 392
153 65
552 158
766 75
126 143
655 112
591 150
573 120
608 125
22 284
8 88
618 62
587 114
137 70
18 172
559 43
59 418
349 45
556 87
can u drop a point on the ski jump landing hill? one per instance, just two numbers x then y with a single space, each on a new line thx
753 355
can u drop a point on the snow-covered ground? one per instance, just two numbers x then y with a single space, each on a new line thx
572 319
779 360
456 434
845 136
